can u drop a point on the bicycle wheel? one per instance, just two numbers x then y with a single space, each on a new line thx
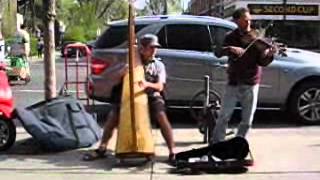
205 118
196 104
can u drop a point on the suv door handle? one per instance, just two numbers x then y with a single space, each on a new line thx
220 65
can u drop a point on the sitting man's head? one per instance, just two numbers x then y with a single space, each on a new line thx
148 45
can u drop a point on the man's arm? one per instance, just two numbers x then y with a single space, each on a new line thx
158 86
233 51
228 49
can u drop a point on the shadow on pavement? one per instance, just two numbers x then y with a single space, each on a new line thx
263 119
27 146
69 161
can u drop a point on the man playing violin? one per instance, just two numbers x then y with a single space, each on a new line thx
244 74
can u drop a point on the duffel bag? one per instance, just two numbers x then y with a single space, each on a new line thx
59 124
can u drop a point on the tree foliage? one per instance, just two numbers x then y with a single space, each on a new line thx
160 7
105 10
87 16
84 17
8 12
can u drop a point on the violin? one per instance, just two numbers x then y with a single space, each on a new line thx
260 43
252 38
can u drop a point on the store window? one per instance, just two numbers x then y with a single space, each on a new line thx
298 34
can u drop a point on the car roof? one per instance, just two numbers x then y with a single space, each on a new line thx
178 19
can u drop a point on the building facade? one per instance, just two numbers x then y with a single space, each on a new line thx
292 22
207 7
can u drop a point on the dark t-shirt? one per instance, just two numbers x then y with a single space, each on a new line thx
244 70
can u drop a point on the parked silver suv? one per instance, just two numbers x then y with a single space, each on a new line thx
290 83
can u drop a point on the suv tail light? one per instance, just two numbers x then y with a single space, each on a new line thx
98 66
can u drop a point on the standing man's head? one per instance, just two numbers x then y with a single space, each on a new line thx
148 45
242 18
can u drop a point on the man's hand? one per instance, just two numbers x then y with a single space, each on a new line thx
143 84
270 51
158 86
233 51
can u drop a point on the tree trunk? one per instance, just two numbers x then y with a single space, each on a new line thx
1 11
49 49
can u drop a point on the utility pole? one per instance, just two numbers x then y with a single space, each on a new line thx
49 49
165 7
209 6
284 10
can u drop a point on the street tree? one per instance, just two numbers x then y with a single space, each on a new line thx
30 11
49 48
1 12
7 17
158 7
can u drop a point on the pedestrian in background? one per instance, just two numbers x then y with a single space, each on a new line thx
21 44
62 29
40 45
244 75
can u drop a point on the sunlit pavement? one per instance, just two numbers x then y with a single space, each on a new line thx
280 153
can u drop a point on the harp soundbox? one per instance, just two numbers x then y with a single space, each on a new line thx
134 131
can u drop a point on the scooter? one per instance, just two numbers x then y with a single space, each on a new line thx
7 126
18 69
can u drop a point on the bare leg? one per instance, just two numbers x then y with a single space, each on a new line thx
108 129
166 130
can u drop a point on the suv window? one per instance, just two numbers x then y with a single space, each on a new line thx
115 35
218 34
185 37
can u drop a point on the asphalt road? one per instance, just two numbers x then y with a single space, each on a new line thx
27 94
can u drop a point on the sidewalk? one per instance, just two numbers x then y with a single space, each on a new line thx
288 153
36 58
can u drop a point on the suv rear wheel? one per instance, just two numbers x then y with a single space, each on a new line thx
304 103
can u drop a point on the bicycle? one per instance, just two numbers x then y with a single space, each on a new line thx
204 108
